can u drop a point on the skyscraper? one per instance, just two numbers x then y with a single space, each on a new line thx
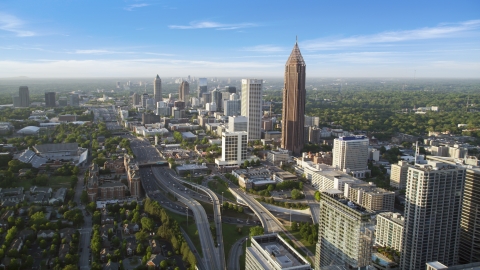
351 153
74 100
252 106
24 95
234 149
294 103
202 87
345 233
232 106
217 98
432 215
157 89
136 99
50 99
184 91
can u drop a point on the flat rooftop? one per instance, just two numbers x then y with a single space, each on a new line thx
280 251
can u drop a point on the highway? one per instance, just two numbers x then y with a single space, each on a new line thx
235 252
314 205
211 254
217 215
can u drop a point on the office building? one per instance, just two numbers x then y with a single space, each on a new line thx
313 121
432 215
230 89
271 251
136 99
234 149
345 233
206 98
202 87
217 98
293 112
237 123
74 100
144 98
252 106
24 96
350 154
184 91
157 89
398 174
16 102
440 266
50 100
232 106
368 196
389 230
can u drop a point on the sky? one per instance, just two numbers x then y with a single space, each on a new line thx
134 38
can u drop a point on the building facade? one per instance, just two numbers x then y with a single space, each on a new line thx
157 89
234 148
237 123
50 99
252 106
24 96
293 113
345 234
432 215
202 87
389 230
184 91
232 107
351 154
398 174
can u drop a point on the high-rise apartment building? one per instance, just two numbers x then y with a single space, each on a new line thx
432 215
144 98
232 107
184 91
469 250
202 87
389 230
271 251
24 95
345 234
234 149
293 112
398 174
217 98
351 154
136 100
252 106
50 100
157 89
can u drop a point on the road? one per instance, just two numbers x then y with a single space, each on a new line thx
235 253
211 254
217 215
86 229
314 205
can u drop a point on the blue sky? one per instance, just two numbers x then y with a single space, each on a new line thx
86 38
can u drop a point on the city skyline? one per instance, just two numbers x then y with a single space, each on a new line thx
90 39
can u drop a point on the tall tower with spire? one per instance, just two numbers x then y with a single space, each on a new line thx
157 89
293 113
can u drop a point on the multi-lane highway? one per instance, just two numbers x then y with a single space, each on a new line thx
211 254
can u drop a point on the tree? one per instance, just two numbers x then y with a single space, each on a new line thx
147 224
139 249
163 264
257 230
246 163
38 219
296 194
84 197
317 195
240 209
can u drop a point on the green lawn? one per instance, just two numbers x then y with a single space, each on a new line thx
231 235
219 187
191 229
59 181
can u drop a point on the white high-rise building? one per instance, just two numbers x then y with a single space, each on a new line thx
252 106
232 106
234 149
350 154
432 215
237 123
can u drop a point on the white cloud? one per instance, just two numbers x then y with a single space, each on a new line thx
134 6
440 31
13 24
94 52
263 48
212 25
